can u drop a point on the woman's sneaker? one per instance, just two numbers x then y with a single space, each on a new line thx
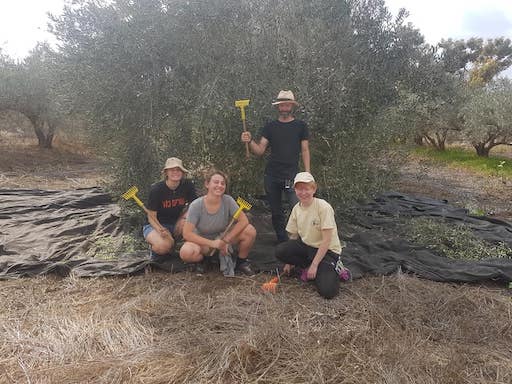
246 268
156 257
342 271
200 268
345 274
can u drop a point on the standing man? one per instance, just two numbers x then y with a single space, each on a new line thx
287 138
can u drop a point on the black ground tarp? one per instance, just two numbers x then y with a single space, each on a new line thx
49 232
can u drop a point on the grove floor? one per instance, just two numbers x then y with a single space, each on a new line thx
184 328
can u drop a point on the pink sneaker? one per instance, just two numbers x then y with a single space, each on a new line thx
342 271
304 275
345 274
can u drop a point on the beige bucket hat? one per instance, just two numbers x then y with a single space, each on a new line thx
173 162
285 97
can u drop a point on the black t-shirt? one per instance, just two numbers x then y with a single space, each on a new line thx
168 203
285 147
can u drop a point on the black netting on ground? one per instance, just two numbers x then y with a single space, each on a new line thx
49 232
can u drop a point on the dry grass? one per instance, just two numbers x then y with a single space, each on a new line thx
162 328
182 328
68 165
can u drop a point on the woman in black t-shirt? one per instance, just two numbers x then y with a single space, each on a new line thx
166 208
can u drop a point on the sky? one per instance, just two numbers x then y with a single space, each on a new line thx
458 19
23 22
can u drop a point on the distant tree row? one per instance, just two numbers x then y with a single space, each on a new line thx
155 78
457 95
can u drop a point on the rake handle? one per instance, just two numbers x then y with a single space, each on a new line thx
137 200
225 231
230 225
139 203
247 153
242 104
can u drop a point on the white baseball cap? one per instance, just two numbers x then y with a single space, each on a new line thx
303 177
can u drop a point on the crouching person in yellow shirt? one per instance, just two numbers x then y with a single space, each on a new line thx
314 245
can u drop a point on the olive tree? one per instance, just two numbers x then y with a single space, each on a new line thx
160 77
476 59
30 87
432 95
487 116
429 102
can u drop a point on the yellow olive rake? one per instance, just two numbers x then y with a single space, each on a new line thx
242 104
243 205
131 193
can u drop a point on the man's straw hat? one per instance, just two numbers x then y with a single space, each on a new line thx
285 97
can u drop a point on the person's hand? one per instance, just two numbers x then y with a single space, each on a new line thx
222 246
164 232
312 272
246 137
178 229
287 268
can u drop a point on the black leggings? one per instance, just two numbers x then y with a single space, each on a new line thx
297 253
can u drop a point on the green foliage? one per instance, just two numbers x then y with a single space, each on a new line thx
495 166
159 78
487 116
433 97
431 110
453 241
475 211
31 87
110 248
485 58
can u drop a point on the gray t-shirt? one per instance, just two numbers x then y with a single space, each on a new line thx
210 225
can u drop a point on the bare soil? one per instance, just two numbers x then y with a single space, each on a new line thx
184 328
491 195
25 165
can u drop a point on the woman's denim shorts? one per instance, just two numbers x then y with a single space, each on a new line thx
148 228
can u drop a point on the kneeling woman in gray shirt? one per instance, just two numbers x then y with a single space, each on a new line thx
208 216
